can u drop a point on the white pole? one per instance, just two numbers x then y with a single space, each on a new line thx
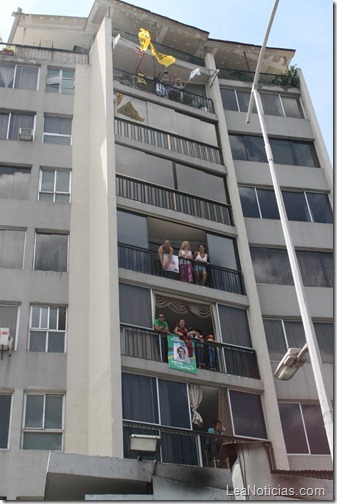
309 329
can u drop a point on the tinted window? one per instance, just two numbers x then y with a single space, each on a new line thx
139 398
271 104
174 410
249 204
5 409
268 204
320 207
255 149
14 182
325 339
229 99
275 339
296 206
316 268
293 429
292 107
238 147
247 415
234 326
135 305
271 266
51 253
132 229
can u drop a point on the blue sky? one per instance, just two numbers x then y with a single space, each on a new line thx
304 25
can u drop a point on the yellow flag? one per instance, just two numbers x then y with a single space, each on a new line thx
144 39
163 59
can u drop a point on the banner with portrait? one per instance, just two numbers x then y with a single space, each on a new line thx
178 356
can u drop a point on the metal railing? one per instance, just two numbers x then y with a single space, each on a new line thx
27 52
147 261
168 141
171 93
182 446
183 56
220 357
245 76
171 199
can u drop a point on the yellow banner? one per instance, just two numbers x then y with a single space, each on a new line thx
145 41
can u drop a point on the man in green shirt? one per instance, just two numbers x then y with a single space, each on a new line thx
160 325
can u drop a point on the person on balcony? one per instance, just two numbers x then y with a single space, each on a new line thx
201 259
181 331
160 325
177 91
141 79
214 443
159 86
199 346
185 262
165 252
210 352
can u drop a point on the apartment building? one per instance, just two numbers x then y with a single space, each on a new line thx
97 170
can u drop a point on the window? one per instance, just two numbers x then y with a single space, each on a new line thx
60 80
307 206
8 318
316 268
5 412
54 185
271 266
284 334
247 415
259 203
14 182
152 400
57 130
303 429
10 124
234 326
19 76
47 329
273 104
135 306
51 252
289 152
11 248
43 422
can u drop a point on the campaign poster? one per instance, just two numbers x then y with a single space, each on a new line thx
178 357
174 264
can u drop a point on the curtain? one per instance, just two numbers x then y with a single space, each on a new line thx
26 78
11 248
181 307
234 326
195 395
3 126
316 268
271 266
135 305
18 121
6 76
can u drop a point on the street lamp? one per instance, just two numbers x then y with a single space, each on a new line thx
308 325
291 362
143 444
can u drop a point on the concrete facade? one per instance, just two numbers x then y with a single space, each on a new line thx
88 374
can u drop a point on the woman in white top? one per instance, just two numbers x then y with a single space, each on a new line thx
185 262
201 260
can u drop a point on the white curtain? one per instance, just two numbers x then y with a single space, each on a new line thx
195 395
6 76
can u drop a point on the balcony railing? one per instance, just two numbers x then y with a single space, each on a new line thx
147 261
168 141
196 448
195 60
186 97
222 358
171 199
245 76
32 53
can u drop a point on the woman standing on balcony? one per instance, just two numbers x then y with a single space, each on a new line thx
185 262
201 260
181 331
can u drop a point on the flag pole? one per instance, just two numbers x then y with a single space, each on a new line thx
314 353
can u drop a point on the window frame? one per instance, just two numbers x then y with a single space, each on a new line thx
60 79
308 206
159 412
47 329
47 134
51 233
42 430
15 67
23 245
4 393
229 391
15 336
54 192
9 120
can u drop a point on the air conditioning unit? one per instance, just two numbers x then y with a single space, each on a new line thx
26 134
6 342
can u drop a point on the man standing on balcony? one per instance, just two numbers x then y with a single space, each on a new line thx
160 325
165 253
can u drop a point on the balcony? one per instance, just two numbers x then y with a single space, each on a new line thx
180 446
169 141
187 98
24 52
228 359
189 58
147 261
171 199
264 78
